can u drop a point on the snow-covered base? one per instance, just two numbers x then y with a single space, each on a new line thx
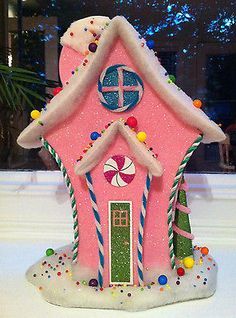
53 277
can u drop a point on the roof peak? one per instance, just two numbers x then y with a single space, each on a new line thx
149 68
100 146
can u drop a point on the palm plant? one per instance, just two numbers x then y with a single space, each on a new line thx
20 90
18 86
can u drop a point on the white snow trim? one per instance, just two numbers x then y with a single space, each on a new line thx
64 291
66 102
100 146
81 39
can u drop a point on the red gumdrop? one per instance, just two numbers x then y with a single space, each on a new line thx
180 271
57 90
132 122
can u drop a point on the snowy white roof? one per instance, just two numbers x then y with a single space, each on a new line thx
150 70
100 146
81 32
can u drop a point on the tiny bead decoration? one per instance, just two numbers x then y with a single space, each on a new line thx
57 90
35 114
172 78
94 135
142 136
204 250
93 282
197 103
180 271
132 122
150 44
188 262
92 47
162 280
49 252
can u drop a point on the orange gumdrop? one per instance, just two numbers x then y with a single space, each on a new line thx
204 250
197 103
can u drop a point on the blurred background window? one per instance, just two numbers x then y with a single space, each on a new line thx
194 40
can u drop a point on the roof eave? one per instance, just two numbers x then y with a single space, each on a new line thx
149 67
101 145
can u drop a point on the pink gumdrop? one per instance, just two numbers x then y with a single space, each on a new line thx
69 60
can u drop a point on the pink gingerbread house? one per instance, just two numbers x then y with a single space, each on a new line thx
122 132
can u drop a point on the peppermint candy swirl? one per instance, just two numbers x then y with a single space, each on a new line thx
119 170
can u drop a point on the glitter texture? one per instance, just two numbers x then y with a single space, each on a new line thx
168 135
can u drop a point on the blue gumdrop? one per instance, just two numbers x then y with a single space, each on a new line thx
150 44
94 135
162 279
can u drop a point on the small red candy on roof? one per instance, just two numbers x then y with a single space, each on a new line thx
57 90
132 122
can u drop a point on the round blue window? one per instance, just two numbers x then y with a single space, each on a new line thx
119 88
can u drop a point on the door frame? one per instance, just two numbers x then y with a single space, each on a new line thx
131 242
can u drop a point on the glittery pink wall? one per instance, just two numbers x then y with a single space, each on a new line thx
168 136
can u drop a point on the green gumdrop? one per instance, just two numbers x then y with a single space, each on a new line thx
172 78
49 251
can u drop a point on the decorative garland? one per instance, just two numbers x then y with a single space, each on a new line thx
47 146
98 227
174 192
141 227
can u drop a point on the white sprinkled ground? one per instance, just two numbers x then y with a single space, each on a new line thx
52 275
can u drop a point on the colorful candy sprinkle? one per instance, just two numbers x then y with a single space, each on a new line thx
197 103
188 262
57 90
35 114
204 250
49 252
162 280
132 122
180 271
142 136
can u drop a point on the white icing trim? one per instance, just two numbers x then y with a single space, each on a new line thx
80 39
67 101
100 146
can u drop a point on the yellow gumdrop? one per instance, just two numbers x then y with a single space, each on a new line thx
142 136
35 114
188 262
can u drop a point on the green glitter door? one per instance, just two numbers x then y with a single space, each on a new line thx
120 242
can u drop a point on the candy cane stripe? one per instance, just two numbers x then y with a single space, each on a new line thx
49 148
141 227
173 194
98 228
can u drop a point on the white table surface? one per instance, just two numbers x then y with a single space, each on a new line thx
19 299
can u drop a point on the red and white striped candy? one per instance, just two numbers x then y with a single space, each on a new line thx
119 170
